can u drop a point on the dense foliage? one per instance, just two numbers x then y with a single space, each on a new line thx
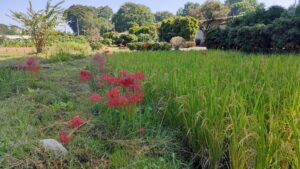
149 46
131 14
160 16
185 27
151 30
261 30
80 17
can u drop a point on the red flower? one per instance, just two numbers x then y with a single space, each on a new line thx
117 101
85 75
64 138
114 92
142 130
76 121
30 62
127 81
99 59
30 65
135 98
95 98
109 79
146 46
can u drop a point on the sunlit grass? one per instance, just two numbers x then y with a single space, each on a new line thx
238 107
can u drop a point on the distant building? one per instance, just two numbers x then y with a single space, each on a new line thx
16 36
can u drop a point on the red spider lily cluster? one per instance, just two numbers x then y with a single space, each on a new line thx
74 123
124 89
30 64
146 46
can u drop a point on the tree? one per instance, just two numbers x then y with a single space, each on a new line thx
76 17
160 16
241 6
105 12
213 9
40 24
4 29
185 27
131 14
190 9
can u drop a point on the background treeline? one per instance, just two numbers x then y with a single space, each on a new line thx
275 29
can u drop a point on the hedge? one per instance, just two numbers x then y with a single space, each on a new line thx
155 46
185 27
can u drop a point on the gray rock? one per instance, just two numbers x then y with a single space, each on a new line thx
55 146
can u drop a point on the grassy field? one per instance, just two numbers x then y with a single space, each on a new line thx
36 106
233 110
237 110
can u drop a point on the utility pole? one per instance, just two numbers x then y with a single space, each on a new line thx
77 26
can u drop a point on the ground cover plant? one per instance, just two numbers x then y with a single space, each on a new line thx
237 110
61 101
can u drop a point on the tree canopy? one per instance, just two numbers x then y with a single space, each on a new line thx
190 9
160 16
241 6
131 14
105 12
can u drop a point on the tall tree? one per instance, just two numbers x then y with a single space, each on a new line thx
190 9
4 29
213 9
40 24
76 17
131 14
160 16
241 6
105 12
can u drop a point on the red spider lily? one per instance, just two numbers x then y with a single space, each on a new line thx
99 59
95 98
109 79
31 65
30 62
128 80
142 131
64 138
76 121
138 97
114 93
85 75
117 101
146 46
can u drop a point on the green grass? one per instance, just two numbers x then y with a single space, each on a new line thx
237 110
37 106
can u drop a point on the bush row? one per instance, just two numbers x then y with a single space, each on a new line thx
251 33
150 46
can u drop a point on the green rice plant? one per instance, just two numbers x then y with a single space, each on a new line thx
237 110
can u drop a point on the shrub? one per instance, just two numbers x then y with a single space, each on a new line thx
107 42
144 37
114 36
126 38
150 46
151 30
177 42
185 27
95 45
285 31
